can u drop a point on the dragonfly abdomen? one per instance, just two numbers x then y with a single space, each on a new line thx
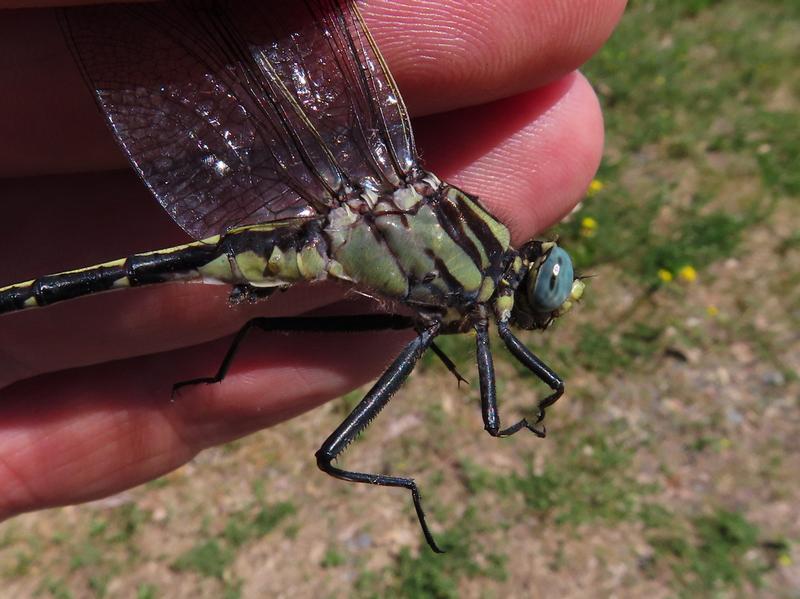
274 254
177 263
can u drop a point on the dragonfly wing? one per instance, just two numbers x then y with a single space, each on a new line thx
334 72
236 112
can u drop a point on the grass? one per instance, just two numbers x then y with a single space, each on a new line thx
719 551
211 557
244 526
417 576
56 587
332 558
585 482
146 591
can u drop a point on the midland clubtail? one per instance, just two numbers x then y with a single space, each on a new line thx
276 136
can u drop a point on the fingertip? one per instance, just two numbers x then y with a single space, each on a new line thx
529 158
447 54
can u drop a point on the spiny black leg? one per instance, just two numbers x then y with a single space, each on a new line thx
226 361
491 416
491 419
448 363
540 369
322 324
369 407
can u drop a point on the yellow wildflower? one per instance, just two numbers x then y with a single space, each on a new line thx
594 187
588 226
688 274
712 310
664 275
785 559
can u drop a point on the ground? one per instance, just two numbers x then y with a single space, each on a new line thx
670 467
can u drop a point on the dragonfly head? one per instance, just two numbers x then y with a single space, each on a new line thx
549 288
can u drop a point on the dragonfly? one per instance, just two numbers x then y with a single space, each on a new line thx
276 137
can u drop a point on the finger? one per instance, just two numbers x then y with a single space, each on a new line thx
444 55
529 169
530 158
450 54
81 434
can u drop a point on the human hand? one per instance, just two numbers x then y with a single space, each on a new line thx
84 403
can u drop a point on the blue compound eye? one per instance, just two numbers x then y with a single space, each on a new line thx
553 283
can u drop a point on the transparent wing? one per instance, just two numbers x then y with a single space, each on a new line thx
236 112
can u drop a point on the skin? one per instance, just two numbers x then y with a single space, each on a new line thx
85 406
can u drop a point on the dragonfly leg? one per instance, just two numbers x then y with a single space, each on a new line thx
226 361
491 416
328 324
369 407
541 370
491 419
448 363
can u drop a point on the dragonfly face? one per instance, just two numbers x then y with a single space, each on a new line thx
549 288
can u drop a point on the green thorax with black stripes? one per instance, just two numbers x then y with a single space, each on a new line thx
428 245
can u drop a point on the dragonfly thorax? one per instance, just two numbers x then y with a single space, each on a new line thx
428 245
